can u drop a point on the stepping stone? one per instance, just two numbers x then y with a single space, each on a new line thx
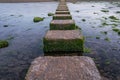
62 3
62 12
62 16
62 8
63 68
63 41
62 25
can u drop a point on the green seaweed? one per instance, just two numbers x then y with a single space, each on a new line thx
104 10
87 50
3 43
118 32
38 19
116 29
113 17
107 39
63 45
50 14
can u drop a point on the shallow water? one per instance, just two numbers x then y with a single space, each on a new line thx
105 53
25 36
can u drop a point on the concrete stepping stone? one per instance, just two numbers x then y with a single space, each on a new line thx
62 12
62 8
62 3
62 25
62 17
63 68
63 41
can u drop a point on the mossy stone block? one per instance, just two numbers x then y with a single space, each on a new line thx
63 41
62 25
62 16
62 12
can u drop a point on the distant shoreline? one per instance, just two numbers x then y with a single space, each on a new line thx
22 1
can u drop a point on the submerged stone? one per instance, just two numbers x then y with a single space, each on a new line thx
38 19
3 43
62 16
63 68
50 14
63 41
62 25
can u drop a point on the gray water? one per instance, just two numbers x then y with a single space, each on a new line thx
25 36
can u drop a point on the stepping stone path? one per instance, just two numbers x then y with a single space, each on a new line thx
63 36
63 68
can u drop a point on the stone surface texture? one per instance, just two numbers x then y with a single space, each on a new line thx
62 25
62 12
62 17
63 34
63 68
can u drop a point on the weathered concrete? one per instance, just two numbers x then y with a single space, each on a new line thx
62 25
62 12
63 41
63 68
62 17
62 8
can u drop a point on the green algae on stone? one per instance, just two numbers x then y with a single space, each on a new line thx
107 39
63 27
117 11
104 10
63 45
63 41
87 50
113 17
38 19
50 14
116 30
3 43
